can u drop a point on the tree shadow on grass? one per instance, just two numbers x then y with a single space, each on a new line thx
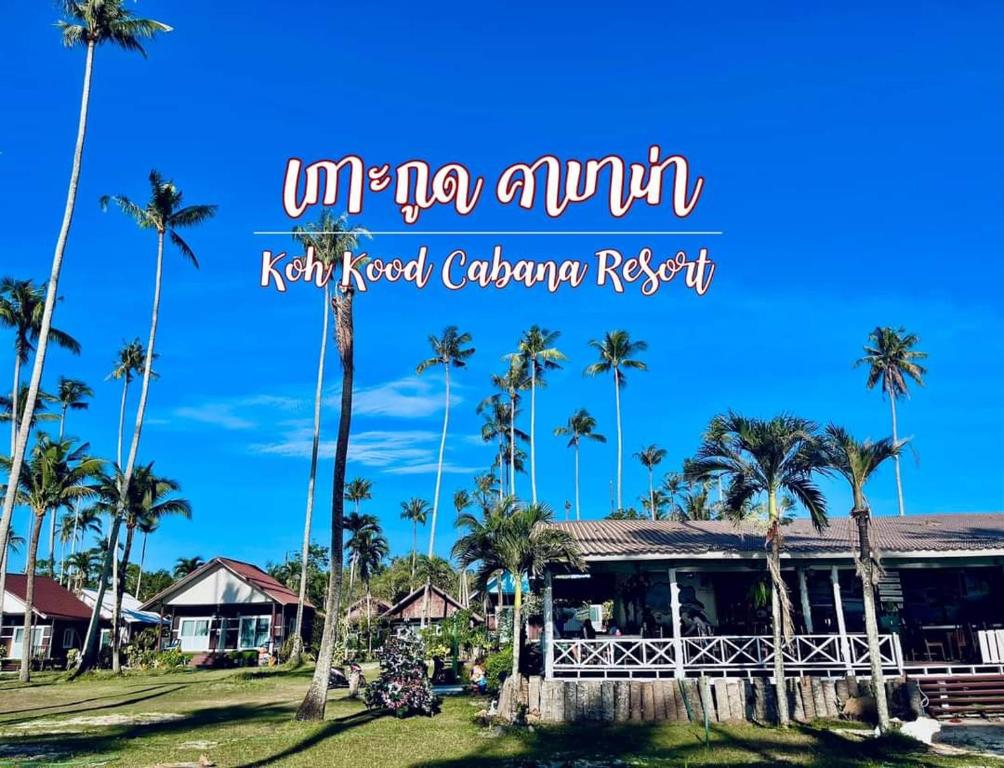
122 702
328 729
78 702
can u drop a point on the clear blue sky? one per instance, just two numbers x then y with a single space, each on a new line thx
853 159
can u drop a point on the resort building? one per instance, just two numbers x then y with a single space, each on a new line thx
227 605
133 618
406 615
59 623
685 599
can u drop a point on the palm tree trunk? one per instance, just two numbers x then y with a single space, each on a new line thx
577 516
866 569
89 653
142 560
352 580
29 596
13 401
620 443
895 457
122 409
52 545
296 655
777 620
502 484
651 495
517 622
369 627
512 444
435 498
117 603
414 553
52 291
313 705
533 421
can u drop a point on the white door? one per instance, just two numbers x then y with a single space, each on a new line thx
194 634
18 646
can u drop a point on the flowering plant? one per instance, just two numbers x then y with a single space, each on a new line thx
403 686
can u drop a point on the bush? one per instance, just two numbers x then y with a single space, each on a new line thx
169 659
72 656
402 687
498 667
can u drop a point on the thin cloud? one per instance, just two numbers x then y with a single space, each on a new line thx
214 414
411 397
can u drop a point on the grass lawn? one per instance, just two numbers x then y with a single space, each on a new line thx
245 719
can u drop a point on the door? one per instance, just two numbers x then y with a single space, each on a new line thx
193 634
37 633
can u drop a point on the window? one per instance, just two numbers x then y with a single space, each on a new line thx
254 631
37 634
69 638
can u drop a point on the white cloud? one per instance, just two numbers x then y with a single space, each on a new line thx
215 414
409 397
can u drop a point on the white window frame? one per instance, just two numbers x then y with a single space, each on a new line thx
17 642
71 633
240 632
195 620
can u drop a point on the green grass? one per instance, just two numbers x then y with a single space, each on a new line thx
245 719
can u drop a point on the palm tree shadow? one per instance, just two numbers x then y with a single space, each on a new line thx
160 691
328 729
67 704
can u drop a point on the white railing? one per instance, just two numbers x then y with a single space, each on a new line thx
617 657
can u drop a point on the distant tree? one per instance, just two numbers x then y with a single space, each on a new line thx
416 512
650 457
580 426
185 565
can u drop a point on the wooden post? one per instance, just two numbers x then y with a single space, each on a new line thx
838 607
803 591
674 606
548 627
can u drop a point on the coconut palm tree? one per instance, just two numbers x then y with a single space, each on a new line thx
658 501
617 352
696 504
368 549
315 701
56 474
517 539
514 380
186 565
146 526
356 524
650 457
328 238
88 23
165 215
856 462
149 498
579 427
70 395
498 426
537 350
892 359
130 363
416 512
450 350
83 565
358 490
74 526
766 456
673 485
40 413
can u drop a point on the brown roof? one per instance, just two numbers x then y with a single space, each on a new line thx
626 539
404 601
251 574
49 600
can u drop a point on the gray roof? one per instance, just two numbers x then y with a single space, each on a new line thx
626 539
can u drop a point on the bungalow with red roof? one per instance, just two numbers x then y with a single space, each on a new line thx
59 623
406 616
228 605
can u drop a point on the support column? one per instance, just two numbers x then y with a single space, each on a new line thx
803 591
838 607
548 627
674 607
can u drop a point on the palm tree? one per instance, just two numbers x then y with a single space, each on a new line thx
673 485
656 503
368 549
892 360
149 498
358 490
89 23
356 525
768 457
70 395
857 462
186 565
83 565
165 215
56 474
696 505
416 512
617 352
650 457
40 413
130 362
579 427
450 350
73 525
517 539
512 382
537 350
146 526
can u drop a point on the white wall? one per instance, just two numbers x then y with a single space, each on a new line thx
217 586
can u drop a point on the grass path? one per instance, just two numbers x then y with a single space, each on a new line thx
245 719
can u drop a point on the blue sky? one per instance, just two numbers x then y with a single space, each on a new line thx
852 158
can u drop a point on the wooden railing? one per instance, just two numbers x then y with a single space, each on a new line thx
620 657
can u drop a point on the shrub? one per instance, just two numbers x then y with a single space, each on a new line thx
168 659
498 667
402 687
72 656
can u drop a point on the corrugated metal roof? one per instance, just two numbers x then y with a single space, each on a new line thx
49 598
599 539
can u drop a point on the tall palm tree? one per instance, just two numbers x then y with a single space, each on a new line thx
536 348
416 512
314 702
83 565
857 462
357 491
579 427
696 504
368 550
517 539
185 565
450 350
515 379
617 352
70 395
650 457
40 413
149 498
56 474
656 502
146 526
892 359
73 525
88 23
673 485
356 524
165 215
329 237
766 456
130 362
498 426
